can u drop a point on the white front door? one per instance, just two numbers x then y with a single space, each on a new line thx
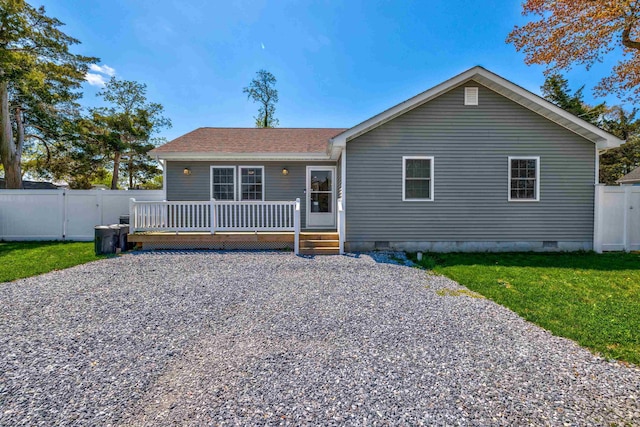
321 202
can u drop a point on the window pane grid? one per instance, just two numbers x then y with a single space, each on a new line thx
223 183
523 181
417 183
251 184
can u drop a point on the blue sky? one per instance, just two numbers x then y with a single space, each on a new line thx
337 63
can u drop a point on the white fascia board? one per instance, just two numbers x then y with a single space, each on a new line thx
335 150
529 100
190 156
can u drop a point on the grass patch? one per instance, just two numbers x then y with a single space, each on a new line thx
25 259
591 298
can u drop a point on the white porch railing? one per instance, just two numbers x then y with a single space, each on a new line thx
254 216
216 215
169 216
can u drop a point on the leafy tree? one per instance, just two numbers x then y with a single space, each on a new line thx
75 157
568 32
262 90
153 184
39 78
139 167
125 129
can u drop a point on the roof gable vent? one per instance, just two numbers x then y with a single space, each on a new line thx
470 96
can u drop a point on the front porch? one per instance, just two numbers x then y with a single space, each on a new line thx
311 243
229 225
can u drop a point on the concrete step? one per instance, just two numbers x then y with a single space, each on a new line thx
307 244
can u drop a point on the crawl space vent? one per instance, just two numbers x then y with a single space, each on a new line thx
381 245
470 96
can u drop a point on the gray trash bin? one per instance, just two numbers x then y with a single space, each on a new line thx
120 232
104 240
116 236
122 240
124 219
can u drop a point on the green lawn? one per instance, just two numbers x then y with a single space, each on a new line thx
590 298
24 259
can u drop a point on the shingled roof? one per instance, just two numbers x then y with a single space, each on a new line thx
632 177
251 140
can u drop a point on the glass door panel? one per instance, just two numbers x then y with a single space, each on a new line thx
320 197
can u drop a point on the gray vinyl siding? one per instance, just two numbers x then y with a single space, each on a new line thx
277 187
470 145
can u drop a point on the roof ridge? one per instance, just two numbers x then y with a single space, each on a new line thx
252 140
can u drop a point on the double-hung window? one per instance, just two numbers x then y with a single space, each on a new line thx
223 183
251 182
237 183
417 178
524 179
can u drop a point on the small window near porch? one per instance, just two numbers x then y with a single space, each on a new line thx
417 179
251 182
223 184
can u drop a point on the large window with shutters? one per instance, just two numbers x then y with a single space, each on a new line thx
524 179
417 178
223 182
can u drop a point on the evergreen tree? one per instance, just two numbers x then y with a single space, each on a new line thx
126 128
616 162
556 90
39 79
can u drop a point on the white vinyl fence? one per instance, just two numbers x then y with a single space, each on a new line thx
64 214
617 218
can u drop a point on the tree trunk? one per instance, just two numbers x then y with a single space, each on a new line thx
10 153
116 169
130 172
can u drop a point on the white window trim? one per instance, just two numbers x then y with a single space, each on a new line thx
235 183
537 159
404 177
240 167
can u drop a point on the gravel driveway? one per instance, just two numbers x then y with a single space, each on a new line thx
208 338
